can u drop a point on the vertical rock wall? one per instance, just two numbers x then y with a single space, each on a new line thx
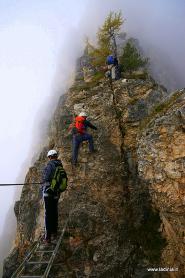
161 154
126 200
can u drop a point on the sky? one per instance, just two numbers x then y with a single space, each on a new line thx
33 34
40 42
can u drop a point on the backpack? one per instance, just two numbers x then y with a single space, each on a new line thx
59 180
79 124
110 60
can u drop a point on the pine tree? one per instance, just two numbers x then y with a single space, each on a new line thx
131 58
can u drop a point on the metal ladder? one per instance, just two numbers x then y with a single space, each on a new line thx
36 250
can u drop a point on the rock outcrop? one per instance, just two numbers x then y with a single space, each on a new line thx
126 201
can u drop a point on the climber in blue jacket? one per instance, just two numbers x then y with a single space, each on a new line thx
113 67
50 198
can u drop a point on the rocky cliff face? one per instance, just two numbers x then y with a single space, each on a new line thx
126 201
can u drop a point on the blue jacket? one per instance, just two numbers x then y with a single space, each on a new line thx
47 176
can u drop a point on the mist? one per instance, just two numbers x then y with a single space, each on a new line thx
159 27
35 43
40 42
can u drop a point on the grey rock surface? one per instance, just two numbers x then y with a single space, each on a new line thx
127 200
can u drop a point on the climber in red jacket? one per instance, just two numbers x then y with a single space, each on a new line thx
79 132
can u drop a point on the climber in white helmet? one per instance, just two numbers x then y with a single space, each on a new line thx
51 197
51 154
79 132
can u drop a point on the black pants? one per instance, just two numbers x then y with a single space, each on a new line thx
51 216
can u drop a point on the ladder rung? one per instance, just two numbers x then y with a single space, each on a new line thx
25 276
42 262
37 248
40 251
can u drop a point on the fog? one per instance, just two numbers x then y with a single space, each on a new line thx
159 26
40 41
35 42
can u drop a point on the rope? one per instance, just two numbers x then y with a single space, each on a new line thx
14 184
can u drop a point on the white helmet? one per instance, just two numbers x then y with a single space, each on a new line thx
83 114
52 153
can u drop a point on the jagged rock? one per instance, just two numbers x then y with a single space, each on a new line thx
10 262
126 202
167 157
16 208
88 74
79 107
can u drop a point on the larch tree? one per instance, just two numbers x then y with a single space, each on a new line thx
107 35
